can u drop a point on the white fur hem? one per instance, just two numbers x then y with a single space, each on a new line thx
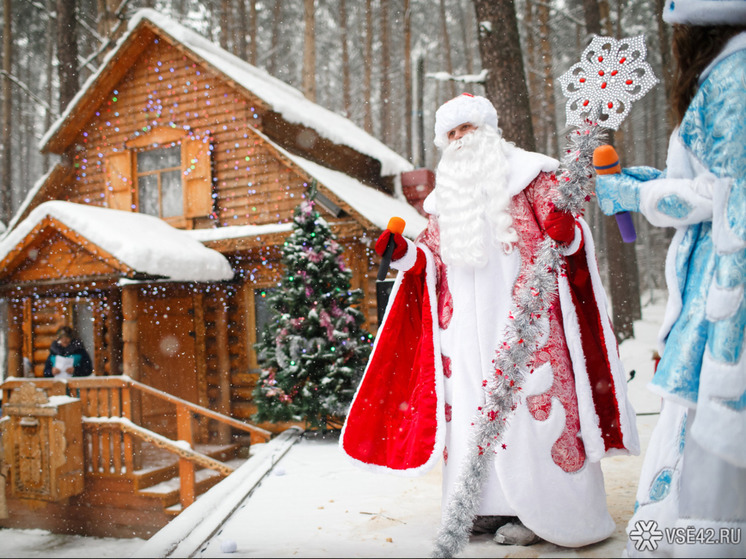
573 247
722 302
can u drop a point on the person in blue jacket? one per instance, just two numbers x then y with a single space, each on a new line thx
691 499
75 360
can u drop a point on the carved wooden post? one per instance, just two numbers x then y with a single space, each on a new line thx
3 476
224 368
131 368
129 460
130 353
186 467
113 320
15 341
200 359
27 329
3 501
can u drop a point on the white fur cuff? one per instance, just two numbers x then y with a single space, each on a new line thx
407 261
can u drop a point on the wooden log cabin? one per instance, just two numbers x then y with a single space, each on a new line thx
157 237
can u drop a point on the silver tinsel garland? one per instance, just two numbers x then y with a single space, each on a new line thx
520 341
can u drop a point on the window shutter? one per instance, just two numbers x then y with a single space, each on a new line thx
118 186
197 176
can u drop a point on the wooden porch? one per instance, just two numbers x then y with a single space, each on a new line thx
133 479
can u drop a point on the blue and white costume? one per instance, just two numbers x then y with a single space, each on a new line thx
694 473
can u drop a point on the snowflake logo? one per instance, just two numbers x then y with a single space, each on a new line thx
611 75
646 535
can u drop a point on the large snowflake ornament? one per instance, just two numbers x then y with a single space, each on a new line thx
611 75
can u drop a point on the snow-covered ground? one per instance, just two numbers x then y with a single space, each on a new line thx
315 504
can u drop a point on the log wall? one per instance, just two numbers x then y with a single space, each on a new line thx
167 89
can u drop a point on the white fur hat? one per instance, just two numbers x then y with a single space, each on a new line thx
464 108
705 12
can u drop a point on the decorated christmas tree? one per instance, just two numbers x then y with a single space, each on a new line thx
313 350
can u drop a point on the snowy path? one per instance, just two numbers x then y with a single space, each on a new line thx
315 504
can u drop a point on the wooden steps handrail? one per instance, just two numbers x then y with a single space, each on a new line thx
201 410
122 381
116 414
160 441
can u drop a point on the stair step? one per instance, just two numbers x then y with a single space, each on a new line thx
167 467
175 509
168 491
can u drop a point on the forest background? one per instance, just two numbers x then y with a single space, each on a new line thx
385 64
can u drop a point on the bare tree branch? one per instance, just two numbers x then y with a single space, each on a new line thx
40 7
90 30
109 41
23 87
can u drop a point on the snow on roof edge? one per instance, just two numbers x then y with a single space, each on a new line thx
357 194
237 231
129 237
376 206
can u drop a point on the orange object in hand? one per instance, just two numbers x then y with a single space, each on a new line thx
606 160
396 225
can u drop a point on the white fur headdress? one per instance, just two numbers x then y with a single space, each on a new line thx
464 108
705 12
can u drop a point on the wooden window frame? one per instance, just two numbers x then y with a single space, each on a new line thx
176 220
158 138
196 168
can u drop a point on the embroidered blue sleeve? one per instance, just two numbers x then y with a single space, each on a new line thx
674 206
621 192
643 173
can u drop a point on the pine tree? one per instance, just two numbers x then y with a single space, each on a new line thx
313 349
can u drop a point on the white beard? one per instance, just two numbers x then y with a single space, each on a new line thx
472 198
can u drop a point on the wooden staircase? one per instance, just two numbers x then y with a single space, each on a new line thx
135 480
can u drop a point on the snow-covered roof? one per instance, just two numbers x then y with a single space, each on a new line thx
372 204
281 97
145 243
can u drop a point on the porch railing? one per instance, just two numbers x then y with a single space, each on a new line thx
110 428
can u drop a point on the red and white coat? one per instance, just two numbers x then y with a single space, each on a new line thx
442 328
